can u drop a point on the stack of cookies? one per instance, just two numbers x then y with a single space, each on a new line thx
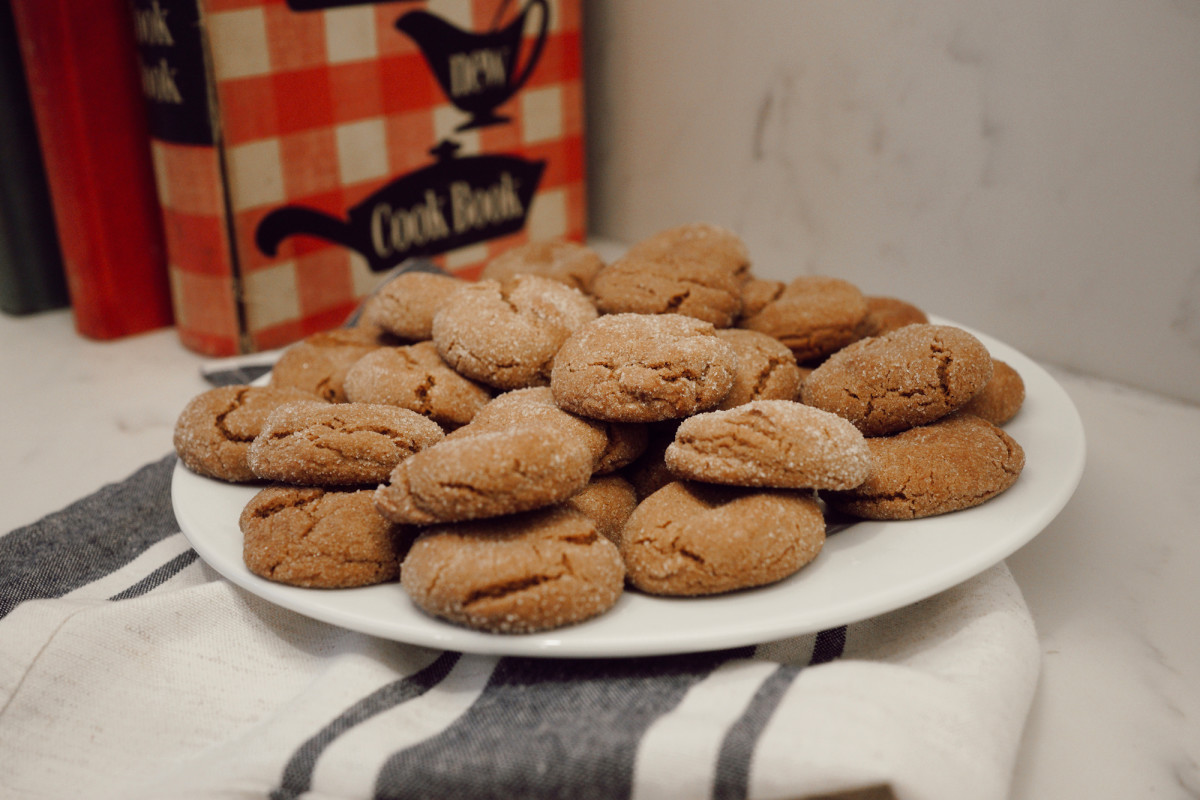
518 451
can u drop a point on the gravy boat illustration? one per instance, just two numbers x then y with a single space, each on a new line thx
478 71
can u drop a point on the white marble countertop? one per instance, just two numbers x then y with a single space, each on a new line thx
1112 582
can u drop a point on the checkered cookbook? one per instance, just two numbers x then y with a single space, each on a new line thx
305 148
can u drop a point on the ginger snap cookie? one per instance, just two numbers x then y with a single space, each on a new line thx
1001 397
213 432
757 293
320 538
642 368
814 315
415 377
406 304
338 444
704 242
571 263
505 333
766 368
615 444
473 475
319 362
691 539
669 283
888 313
954 463
774 443
907 377
608 500
517 574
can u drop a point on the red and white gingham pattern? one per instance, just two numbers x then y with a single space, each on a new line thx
321 109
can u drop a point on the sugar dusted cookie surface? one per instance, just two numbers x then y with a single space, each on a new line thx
312 537
691 539
214 431
642 368
669 284
765 368
338 444
319 363
515 574
405 305
814 315
505 333
774 443
487 474
957 462
907 377
571 263
415 377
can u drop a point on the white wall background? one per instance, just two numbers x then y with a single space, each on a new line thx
1030 168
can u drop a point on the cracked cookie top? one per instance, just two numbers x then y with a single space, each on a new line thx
318 363
954 463
814 316
320 538
773 443
766 368
571 263
642 368
515 574
213 432
505 333
691 539
907 377
338 444
415 377
406 304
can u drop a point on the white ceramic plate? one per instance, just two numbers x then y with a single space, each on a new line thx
864 570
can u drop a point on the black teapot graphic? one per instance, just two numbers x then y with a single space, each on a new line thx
478 71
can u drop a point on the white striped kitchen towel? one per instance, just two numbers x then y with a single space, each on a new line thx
129 669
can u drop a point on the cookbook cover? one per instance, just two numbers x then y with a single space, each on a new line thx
305 148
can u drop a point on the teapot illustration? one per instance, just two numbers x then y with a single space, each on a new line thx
477 70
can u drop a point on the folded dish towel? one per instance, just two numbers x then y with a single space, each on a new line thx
129 669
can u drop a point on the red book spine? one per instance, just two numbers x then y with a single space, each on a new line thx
86 91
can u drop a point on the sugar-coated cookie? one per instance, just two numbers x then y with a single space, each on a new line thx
614 443
515 574
888 313
642 368
572 263
406 304
669 283
505 333
608 500
319 538
699 539
907 377
954 463
757 293
473 475
814 315
318 363
339 444
1002 397
417 378
774 443
705 242
765 368
213 432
